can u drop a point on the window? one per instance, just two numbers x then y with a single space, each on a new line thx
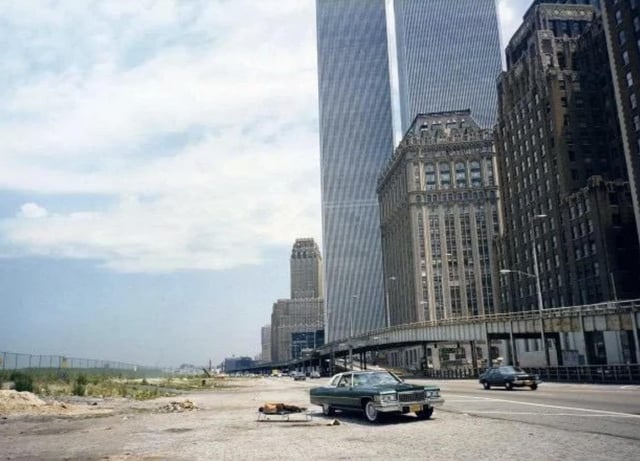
445 175
618 17
476 177
629 79
625 58
636 122
461 175
632 101
430 176
636 24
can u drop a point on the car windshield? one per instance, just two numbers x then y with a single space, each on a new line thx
510 370
378 378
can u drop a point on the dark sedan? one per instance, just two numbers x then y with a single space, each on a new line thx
374 393
509 377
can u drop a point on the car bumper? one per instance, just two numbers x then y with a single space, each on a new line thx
408 407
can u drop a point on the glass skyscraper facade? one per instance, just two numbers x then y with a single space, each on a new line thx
448 58
356 138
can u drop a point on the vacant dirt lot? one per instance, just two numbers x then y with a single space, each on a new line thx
223 426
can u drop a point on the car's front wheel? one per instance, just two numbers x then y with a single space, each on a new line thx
425 413
327 410
508 385
486 385
534 386
371 412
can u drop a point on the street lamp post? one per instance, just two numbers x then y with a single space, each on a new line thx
536 275
388 310
355 297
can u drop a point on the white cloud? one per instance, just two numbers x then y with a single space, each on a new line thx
196 120
32 210
206 141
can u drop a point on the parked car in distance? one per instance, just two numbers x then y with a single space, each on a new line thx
375 393
314 374
298 376
509 377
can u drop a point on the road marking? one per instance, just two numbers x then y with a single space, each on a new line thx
530 413
557 407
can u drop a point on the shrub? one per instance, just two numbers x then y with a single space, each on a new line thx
80 386
22 381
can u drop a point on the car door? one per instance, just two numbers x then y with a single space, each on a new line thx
492 376
342 392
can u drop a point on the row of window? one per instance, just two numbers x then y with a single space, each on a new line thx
445 175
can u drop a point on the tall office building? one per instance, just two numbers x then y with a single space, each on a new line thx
562 175
306 269
298 323
265 338
448 57
439 208
622 25
356 138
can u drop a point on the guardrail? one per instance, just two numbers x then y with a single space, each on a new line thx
631 305
592 374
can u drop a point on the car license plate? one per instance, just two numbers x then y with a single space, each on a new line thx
415 408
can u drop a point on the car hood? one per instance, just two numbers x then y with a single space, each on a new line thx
400 387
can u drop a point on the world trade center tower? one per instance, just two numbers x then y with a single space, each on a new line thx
448 58
356 138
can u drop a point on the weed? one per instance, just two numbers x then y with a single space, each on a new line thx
22 381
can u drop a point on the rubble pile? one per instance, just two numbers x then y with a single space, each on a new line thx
13 401
177 407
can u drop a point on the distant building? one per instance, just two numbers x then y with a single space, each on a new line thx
265 355
298 323
439 215
306 270
237 364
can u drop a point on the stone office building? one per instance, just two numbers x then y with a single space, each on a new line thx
622 26
298 323
439 214
558 148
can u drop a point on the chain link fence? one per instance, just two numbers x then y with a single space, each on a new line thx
10 361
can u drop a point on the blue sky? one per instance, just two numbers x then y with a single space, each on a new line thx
157 161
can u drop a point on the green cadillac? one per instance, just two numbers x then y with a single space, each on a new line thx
375 392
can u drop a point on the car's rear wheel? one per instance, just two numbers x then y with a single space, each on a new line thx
508 385
534 386
425 413
327 410
371 412
486 385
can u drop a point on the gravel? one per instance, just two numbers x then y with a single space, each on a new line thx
224 425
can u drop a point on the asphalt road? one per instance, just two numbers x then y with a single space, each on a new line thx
610 410
558 422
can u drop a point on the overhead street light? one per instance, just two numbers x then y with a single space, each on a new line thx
535 275
388 310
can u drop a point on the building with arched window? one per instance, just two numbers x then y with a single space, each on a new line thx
439 216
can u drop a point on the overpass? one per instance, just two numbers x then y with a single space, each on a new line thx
547 325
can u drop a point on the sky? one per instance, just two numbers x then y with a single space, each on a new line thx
157 161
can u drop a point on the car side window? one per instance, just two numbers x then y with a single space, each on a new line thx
345 381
